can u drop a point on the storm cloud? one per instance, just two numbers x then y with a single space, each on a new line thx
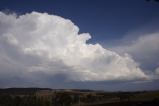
35 47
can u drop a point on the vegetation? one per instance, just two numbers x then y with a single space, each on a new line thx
49 97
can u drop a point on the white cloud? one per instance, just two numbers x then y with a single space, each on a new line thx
39 42
144 50
157 71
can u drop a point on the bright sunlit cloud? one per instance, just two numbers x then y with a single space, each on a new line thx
39 42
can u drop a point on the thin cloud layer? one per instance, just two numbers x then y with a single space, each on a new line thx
41 43
144 50
157 71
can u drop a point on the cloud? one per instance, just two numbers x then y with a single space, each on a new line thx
143 49
41 43
157 71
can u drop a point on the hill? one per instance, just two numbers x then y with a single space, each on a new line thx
75 97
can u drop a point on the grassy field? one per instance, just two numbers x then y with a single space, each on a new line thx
66 97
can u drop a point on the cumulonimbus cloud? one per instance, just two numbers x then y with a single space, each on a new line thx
39 42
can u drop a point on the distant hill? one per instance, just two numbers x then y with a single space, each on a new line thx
75 97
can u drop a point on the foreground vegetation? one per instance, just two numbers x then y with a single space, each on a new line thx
49 97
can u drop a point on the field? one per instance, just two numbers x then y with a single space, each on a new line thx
75 97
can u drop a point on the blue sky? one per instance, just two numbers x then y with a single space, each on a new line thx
122 26
104 19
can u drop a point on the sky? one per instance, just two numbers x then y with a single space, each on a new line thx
107 45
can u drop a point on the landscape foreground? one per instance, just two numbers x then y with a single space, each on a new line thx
75 97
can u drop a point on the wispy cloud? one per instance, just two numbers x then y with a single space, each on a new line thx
144 49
